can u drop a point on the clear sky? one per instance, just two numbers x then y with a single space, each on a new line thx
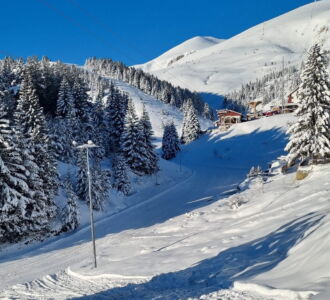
132 31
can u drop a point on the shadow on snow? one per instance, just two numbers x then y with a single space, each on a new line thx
220 164
219 272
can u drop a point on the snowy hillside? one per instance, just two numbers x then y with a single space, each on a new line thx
199 238
221 67
160 113
184 50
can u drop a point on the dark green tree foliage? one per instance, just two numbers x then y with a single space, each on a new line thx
120 177
65 102
115 109
151 162
70 213
79 90
100 182
132 142
170 142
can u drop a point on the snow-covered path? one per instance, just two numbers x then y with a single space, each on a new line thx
175 230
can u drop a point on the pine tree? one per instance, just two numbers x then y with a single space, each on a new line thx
79 91
61 140
70 213
151 162
170 142
100 187
120 178
191 127
33 126
115 108
13 203
310 135
99 182
132 143
24 209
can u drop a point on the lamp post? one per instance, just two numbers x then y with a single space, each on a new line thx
88 146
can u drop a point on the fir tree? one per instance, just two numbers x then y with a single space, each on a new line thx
115 108
70 213
79 91
132 143
310 135
151 162
33 126
170 142
23 206
191 127
99 182
120 178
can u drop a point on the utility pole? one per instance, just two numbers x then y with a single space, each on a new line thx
88 146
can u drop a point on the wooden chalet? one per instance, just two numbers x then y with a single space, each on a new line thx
227 118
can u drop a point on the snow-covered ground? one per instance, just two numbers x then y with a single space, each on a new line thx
189 240
215 66
160 113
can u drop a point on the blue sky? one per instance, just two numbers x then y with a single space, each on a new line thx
126 30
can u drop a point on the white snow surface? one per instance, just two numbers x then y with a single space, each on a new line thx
220 66
160 113
189 239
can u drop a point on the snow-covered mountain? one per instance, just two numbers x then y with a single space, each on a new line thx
183 50
215 66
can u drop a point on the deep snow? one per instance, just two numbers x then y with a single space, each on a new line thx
188 240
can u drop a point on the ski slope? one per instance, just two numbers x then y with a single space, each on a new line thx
160 113
188 240
225 65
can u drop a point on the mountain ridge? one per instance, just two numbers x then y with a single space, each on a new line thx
226 65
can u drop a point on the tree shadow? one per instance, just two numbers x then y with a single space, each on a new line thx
237 155
219 272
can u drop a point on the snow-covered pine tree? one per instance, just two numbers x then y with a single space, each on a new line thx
120 178
115 108
65 102
61 140
13 203
23 206
132 144
170 142
33 126
151 163
70 213
79 91
191 127
99 182
310 134
100 187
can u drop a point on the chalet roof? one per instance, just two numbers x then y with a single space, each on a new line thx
228 111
